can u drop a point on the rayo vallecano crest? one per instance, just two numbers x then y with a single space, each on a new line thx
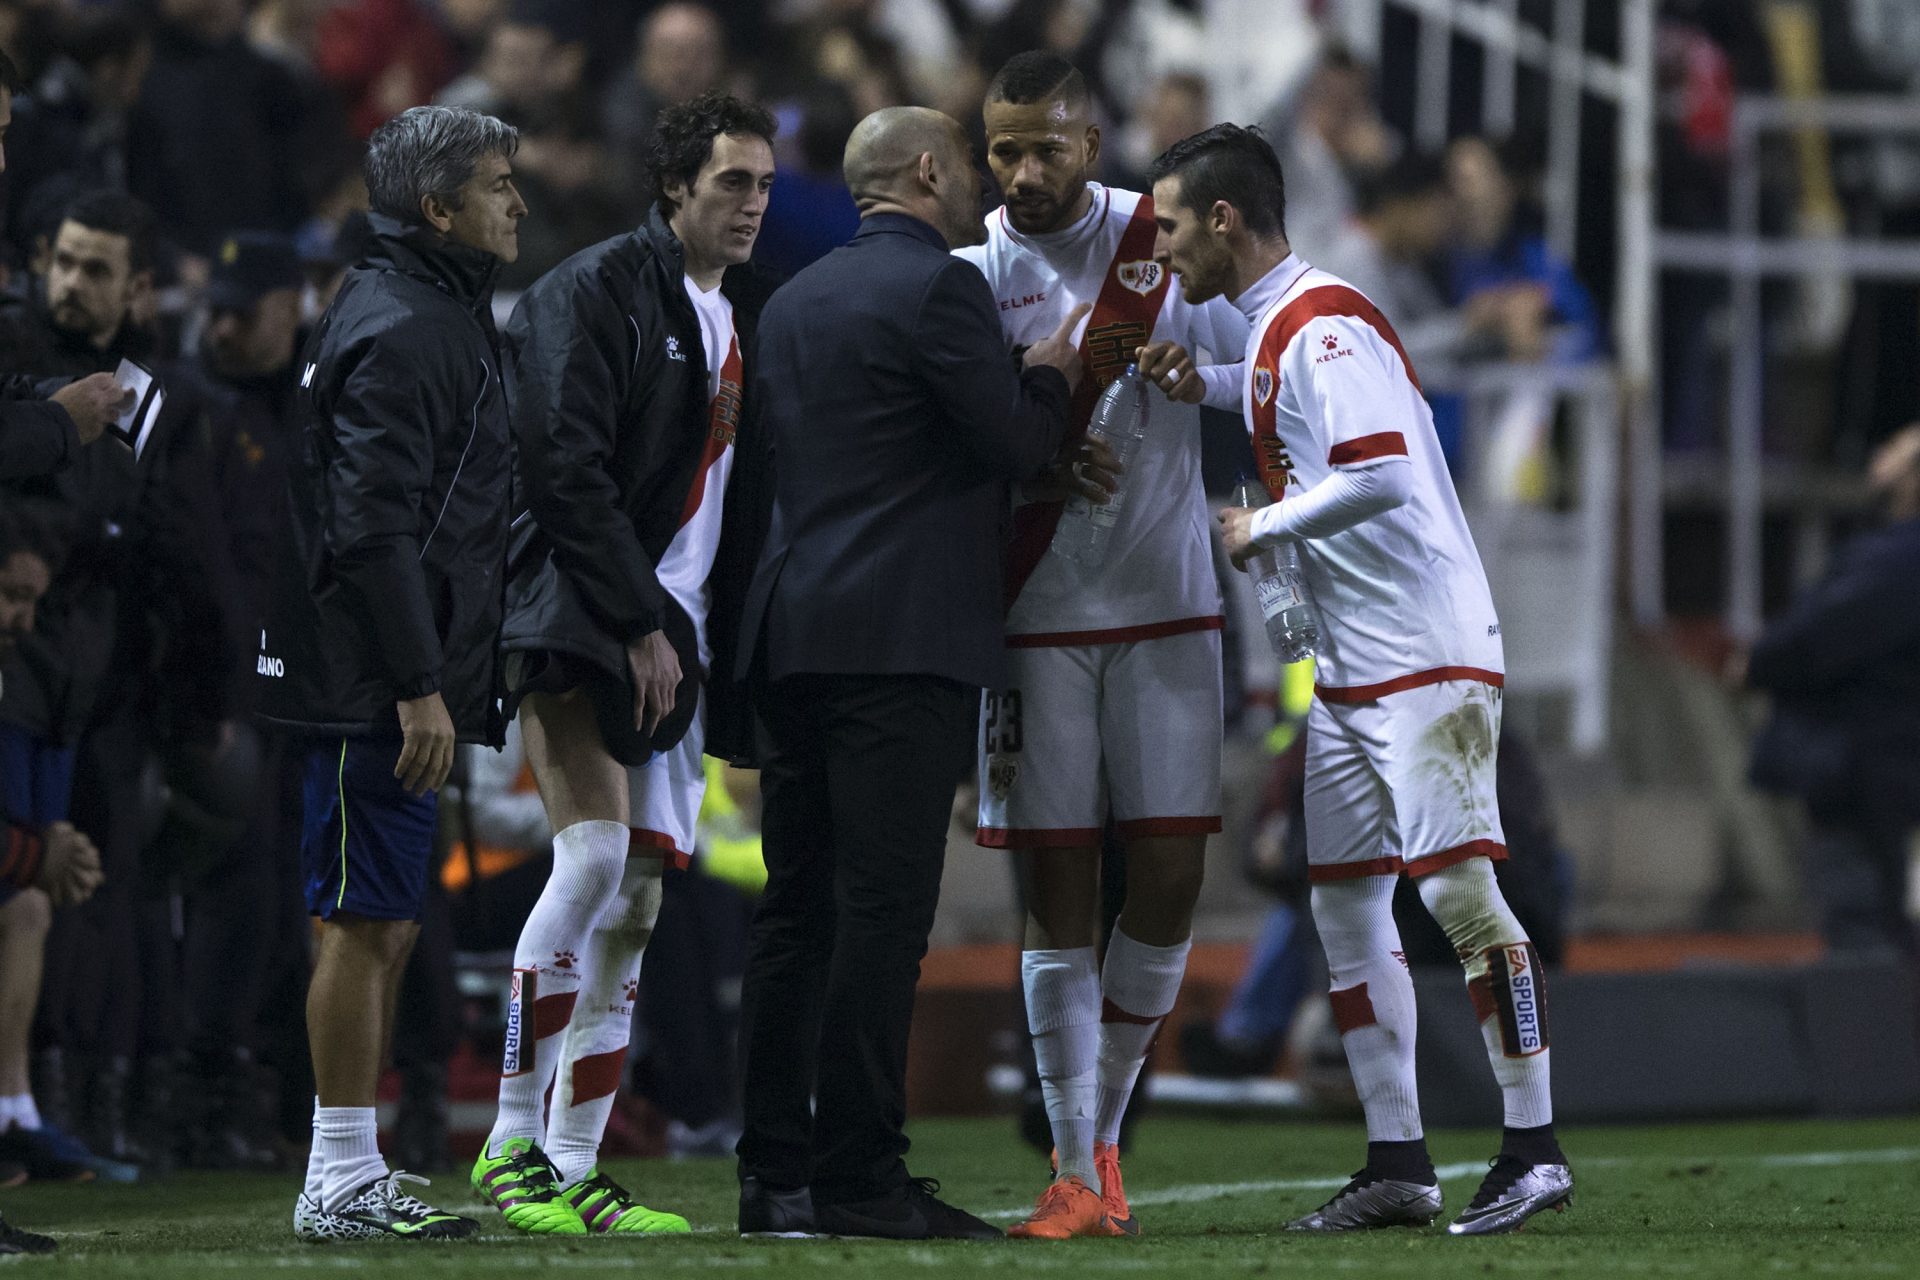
1142 277
1262 385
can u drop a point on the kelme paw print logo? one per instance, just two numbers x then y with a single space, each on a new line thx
565 959
1329 342
633 989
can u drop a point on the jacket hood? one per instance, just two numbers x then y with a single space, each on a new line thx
467 274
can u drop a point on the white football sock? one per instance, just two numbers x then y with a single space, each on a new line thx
588 859
1372 998
593 1055
349 1142
1506 981
1063 1011
1139 985
312 1188
18 1112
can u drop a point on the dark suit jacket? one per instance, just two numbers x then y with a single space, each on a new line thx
897 419
1843 666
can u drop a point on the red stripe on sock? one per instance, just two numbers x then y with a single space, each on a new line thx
1480 989
1111 1012
598 1074
1352 1008
551 1014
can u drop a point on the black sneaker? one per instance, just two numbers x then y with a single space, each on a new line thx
779 1215
14 1240
913 1212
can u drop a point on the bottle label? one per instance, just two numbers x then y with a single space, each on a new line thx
1278 593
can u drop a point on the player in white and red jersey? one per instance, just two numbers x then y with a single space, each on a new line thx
629 397
1113 711
1406 714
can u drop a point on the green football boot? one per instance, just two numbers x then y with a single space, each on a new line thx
606 1207
521 1183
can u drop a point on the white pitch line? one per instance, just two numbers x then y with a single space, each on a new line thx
1200 1193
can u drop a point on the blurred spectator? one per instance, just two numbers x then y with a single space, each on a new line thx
1175 107
73 129
1501 268
680 55
1843 667
523 66
383 56
1403 217
221 134
811 211
1337 136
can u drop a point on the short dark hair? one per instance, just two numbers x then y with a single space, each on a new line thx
10 78
683 138
1038 75
33 526
1412 175
117 214
1231 163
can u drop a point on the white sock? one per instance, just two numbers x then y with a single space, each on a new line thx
1372 997
588 858
1063 1009
1138 987
18 1112
349 1142
1506 981
593 1054
312 1188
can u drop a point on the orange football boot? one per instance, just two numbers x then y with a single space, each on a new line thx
1119 1219
1067 1208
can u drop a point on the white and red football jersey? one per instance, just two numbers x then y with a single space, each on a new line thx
1402 598
1157 578
688 559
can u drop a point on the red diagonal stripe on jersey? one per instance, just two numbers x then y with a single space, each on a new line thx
723 420
1381 444
1034 522
1321 301
598 1074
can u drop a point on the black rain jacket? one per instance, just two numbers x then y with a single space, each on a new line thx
610 407
388 576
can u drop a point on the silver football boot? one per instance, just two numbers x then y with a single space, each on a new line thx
1514 1191
1368 1201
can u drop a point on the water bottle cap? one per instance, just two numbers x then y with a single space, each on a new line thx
1132 371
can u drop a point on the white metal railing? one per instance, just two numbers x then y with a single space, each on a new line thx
1746 258
1552 569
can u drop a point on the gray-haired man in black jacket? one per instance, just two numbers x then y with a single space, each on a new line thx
383 625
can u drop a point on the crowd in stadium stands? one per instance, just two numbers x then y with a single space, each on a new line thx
183 188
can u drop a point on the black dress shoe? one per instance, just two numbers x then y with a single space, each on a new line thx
912 1212
785 1215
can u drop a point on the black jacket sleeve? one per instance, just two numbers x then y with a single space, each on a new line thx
569 341
1867 608
1013 422
37 437
379 479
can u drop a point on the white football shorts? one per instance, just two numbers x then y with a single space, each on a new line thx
1405 782
1130 729
664 796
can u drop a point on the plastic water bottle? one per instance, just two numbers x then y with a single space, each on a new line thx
1120 419
1280 582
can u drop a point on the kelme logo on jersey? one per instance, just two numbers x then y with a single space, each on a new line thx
1262 385
1141 277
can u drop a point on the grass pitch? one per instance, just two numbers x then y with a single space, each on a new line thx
1747 1200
